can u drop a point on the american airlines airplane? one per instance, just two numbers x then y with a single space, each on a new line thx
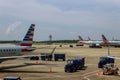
18 51
110 43
90 42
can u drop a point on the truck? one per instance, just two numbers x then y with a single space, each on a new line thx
75 64
59 56
105 60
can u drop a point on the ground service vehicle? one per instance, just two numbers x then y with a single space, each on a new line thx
105 60
95 46
79 44
74 64
59 56
46 56
34 58
71 46
12 78
110 69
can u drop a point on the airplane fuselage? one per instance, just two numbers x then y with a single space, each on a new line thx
7 51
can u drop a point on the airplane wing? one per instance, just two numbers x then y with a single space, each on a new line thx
108 55
42 47
23 56
118 58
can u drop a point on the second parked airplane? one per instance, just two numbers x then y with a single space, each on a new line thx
110 43
91 43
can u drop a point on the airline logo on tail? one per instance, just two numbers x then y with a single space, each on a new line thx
80 39
28 39
105 40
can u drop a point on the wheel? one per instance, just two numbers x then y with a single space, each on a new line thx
56 60
65 70
37 58
63 59
103 73
75 70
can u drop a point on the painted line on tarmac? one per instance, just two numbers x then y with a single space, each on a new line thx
89 73
85 76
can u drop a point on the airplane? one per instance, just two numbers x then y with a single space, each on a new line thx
18 50
90 42
110 43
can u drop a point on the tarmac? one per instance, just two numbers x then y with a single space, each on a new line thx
54 70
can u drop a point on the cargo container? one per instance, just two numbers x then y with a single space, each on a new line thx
46 56
59 56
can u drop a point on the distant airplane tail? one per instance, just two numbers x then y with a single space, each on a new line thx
28 39
105 39
89 39
80 39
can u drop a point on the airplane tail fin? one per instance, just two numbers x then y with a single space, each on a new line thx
105 39
80 39
89 39
28 39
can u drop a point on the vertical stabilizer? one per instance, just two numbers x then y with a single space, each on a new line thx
89 39
105 39
80 39
28 39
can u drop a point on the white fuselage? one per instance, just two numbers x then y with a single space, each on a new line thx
114 42
93 42
6 51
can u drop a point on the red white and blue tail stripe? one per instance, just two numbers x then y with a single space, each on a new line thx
80 39
28 39
105 39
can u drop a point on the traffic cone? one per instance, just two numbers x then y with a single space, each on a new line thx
36 62
50 70
99 73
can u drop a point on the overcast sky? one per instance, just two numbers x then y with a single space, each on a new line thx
63 19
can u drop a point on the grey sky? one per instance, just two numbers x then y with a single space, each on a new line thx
64 19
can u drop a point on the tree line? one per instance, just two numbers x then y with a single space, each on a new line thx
47 42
